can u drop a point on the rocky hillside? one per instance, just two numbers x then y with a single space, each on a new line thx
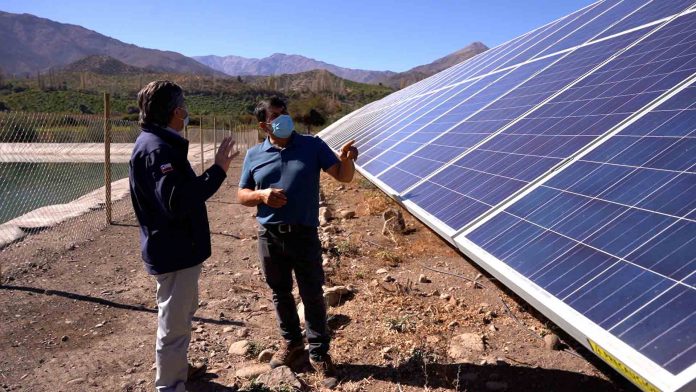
31 44
421 72
279 63
104 65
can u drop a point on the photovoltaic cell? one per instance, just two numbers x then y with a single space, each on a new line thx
475 97
496 60
614 13
653 11
579 22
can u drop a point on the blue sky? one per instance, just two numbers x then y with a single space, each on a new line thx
378 35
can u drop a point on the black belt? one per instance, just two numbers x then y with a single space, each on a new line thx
284 228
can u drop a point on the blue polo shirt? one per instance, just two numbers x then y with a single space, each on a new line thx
295 169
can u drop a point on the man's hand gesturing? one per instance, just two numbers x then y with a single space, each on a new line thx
349 152
225 153
273 197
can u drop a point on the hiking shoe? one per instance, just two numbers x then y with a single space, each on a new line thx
196 370
324 368
289 351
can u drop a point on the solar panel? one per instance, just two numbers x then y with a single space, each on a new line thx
612 235
514 103
564 163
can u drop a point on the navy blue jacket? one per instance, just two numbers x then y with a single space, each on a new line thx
169 201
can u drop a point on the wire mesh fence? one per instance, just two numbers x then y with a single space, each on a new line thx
58 169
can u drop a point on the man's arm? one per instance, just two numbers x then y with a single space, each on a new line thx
176 192
272 197
344 170
249 196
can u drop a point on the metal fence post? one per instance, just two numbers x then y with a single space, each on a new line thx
214 135
200 132
107 157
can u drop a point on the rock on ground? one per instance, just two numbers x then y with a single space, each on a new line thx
325 215
465 344
334 295
552 342
347 214
239 348
265 356
252 371
280 377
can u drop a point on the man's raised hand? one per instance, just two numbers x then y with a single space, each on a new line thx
225 153
348 151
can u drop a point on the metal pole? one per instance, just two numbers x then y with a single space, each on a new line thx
200 131
107 157
214 134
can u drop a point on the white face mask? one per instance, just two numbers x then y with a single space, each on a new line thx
185 119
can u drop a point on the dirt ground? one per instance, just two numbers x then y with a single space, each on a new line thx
78 310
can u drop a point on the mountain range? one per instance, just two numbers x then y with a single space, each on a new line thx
31 44
420 72
279 63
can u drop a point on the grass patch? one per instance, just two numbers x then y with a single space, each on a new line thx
389 258
255 349
347 249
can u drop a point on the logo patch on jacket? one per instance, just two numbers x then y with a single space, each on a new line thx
166 168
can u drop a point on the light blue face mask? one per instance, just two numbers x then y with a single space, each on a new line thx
282 126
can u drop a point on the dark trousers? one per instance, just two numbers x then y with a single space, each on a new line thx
300 251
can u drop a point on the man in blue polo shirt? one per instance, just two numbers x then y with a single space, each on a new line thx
281 178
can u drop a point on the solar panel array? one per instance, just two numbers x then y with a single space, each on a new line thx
564 162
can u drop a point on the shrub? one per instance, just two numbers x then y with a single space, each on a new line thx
84 109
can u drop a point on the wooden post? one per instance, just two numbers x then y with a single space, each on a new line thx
214 135
200 132
107 157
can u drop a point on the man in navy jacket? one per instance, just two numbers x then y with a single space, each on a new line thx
169 202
